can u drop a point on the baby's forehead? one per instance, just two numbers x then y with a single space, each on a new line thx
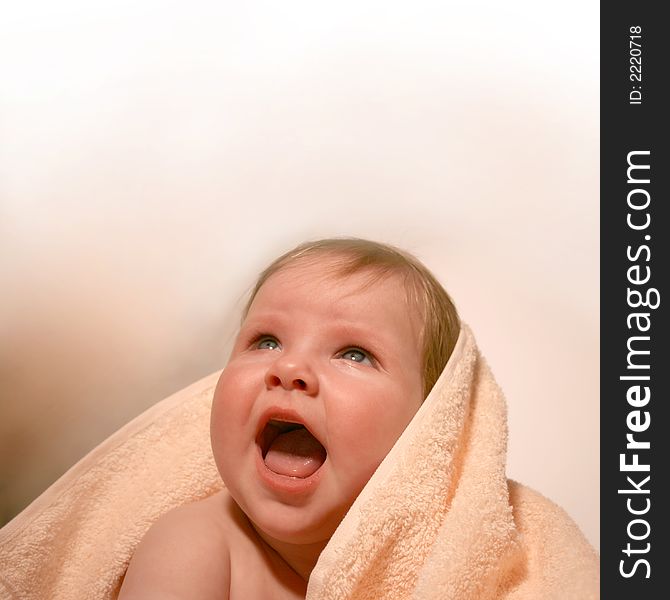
357 284
324 274
365 305
365 293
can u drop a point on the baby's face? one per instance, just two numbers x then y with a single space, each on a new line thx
339 361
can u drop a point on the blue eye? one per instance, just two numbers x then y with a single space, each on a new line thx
356 355
267 343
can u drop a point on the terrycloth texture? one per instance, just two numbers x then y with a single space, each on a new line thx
438 519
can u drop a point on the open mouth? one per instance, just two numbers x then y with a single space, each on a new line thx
288 448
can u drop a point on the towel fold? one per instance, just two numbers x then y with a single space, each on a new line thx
437 520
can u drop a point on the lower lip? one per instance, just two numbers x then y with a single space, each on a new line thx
294 486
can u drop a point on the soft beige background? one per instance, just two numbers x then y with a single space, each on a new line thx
154 156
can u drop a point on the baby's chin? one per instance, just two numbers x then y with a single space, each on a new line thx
296 525
304 520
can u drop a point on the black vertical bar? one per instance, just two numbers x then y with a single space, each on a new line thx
635 359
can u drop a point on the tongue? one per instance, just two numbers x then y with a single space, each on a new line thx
295 453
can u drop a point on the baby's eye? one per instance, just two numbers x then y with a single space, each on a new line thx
267 342
356 355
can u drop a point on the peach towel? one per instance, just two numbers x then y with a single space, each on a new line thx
438 519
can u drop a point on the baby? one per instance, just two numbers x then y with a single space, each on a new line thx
340 343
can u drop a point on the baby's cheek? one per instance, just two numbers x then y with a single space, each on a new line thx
364 445
231 407
377 430
234 397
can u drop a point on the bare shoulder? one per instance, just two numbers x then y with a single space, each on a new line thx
185 554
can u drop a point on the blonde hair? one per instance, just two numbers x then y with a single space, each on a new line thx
441 325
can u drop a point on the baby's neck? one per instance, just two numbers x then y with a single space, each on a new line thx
300 558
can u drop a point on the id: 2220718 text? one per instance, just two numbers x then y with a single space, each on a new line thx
635 60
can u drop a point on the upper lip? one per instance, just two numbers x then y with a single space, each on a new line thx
281 415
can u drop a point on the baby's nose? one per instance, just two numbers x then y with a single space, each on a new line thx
291 373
